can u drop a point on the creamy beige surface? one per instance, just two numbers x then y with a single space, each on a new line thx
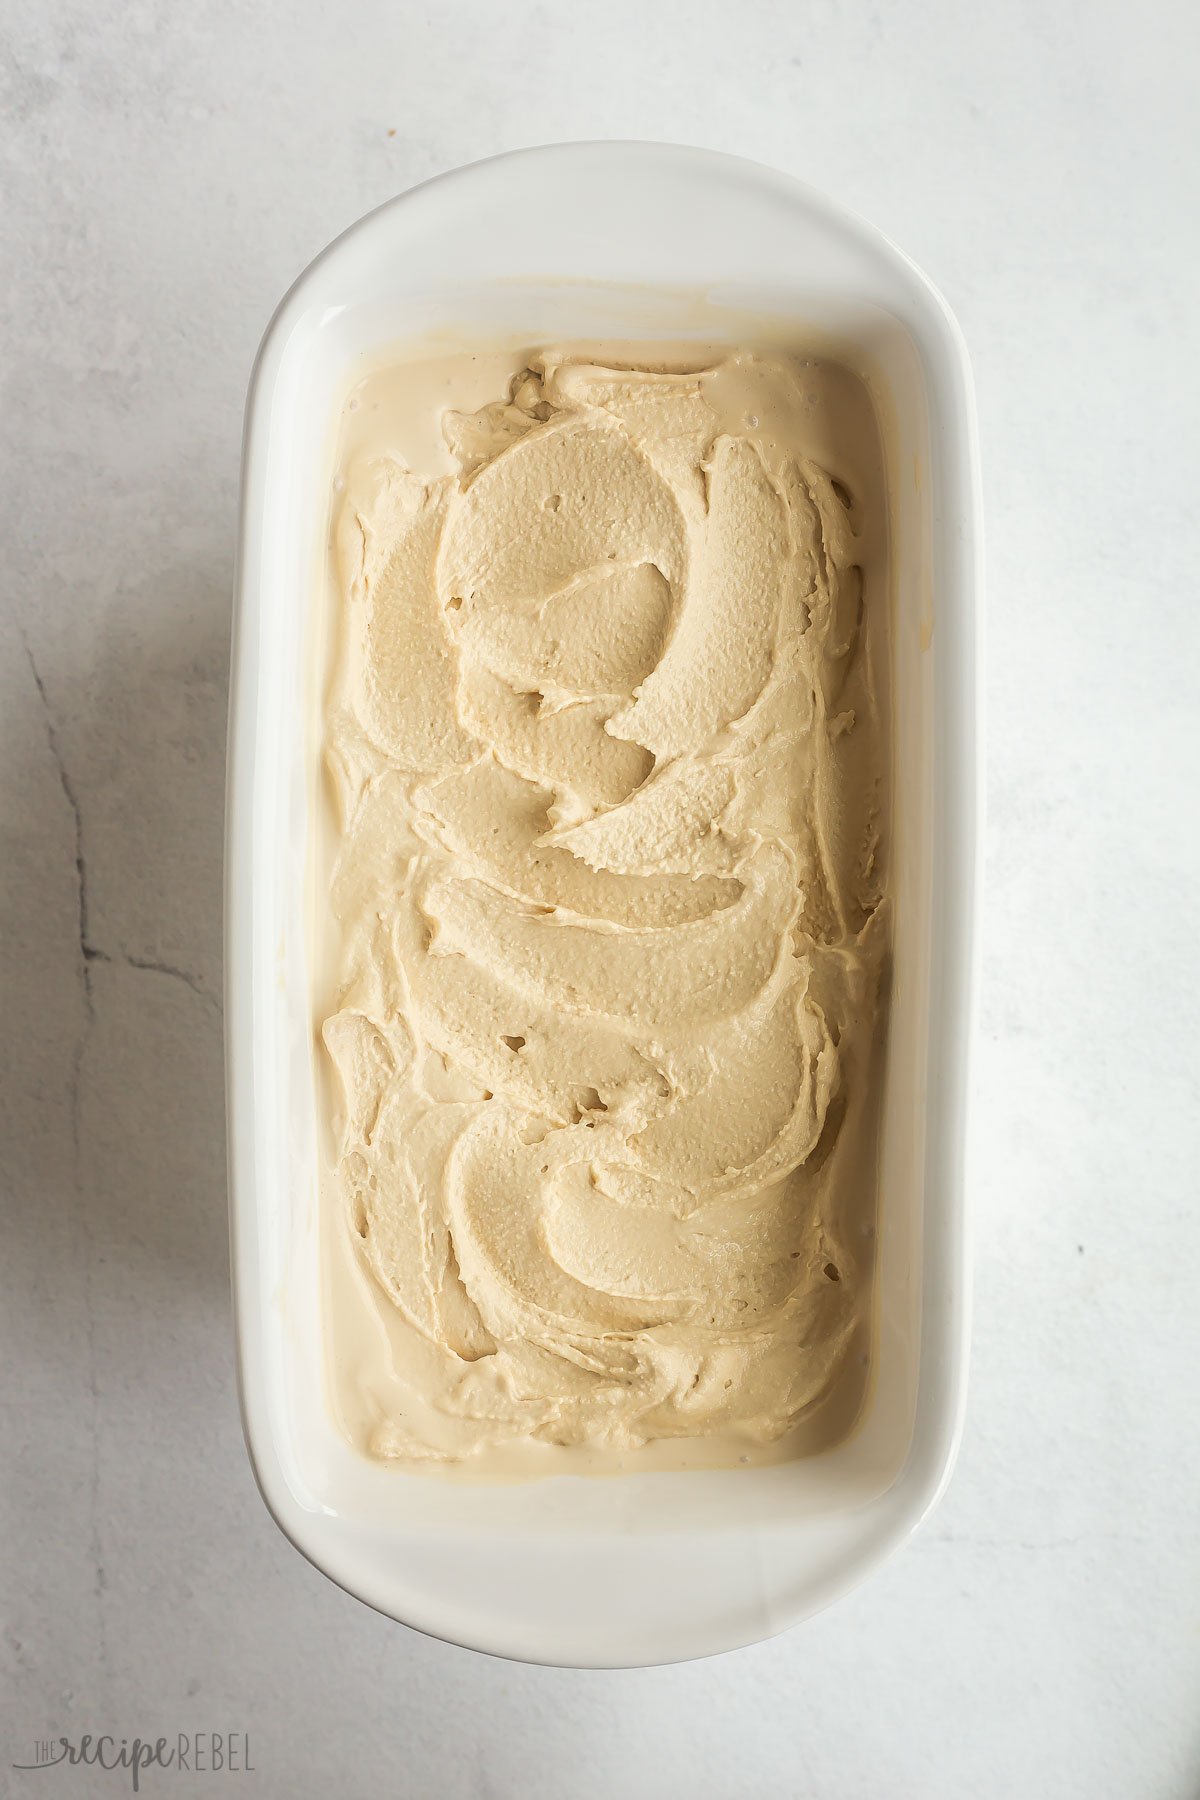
606 927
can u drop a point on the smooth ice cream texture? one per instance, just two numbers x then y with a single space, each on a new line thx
608 915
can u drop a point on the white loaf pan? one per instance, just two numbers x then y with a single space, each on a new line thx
583 241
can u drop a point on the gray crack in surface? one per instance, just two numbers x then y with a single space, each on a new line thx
90 952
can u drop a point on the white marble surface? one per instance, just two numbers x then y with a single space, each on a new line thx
168 170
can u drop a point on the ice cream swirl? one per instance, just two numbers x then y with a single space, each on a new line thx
608 906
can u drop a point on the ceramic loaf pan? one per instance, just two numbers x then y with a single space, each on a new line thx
632 241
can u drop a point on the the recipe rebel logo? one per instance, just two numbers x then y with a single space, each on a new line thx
195 1753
